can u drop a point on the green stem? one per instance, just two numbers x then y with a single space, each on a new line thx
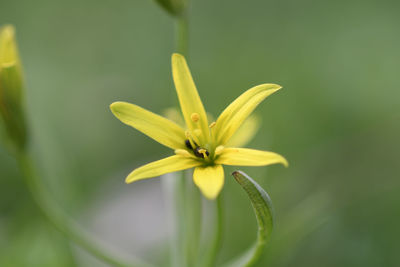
179 250
59 219
186 221
182 35
212 253
193 219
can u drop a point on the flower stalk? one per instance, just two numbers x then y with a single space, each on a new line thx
215 245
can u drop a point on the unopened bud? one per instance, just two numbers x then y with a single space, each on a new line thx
11 88
174 7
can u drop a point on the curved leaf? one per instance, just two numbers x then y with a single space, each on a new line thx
263 210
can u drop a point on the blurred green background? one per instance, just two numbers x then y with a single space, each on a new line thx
337 121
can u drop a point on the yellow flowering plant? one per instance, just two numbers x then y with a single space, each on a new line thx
197 142
201 145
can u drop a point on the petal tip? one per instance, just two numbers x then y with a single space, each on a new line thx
112 105
115 104
177 56
132 177
284 162
270 87
275 86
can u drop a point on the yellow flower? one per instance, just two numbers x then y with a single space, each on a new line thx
204 146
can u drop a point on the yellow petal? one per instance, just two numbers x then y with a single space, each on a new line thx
209 179
159 128
162 166
249 157
246 132
189 98
234 115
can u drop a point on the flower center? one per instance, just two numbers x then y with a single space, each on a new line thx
195 146
197 150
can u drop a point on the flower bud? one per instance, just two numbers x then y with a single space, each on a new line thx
174 7
11 88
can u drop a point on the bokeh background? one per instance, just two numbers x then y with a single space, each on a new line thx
337 121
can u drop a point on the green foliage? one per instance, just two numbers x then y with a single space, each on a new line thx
263 210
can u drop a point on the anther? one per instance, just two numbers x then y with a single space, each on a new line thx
201 152
212 124
188 145
195 117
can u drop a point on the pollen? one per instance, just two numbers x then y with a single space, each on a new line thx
195 117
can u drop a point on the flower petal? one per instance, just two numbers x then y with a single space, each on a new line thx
159 128
209 179
162 166
234 115
189 98
245 132
249 157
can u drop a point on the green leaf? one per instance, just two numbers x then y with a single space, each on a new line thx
263 210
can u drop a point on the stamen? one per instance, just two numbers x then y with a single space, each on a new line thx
190 139
183 152
192 145
188 145
201 152
219 150
195 117
212 124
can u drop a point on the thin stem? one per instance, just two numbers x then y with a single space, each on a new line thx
179 256
193 219
212 253
182 35
257 250
62 221
186 218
